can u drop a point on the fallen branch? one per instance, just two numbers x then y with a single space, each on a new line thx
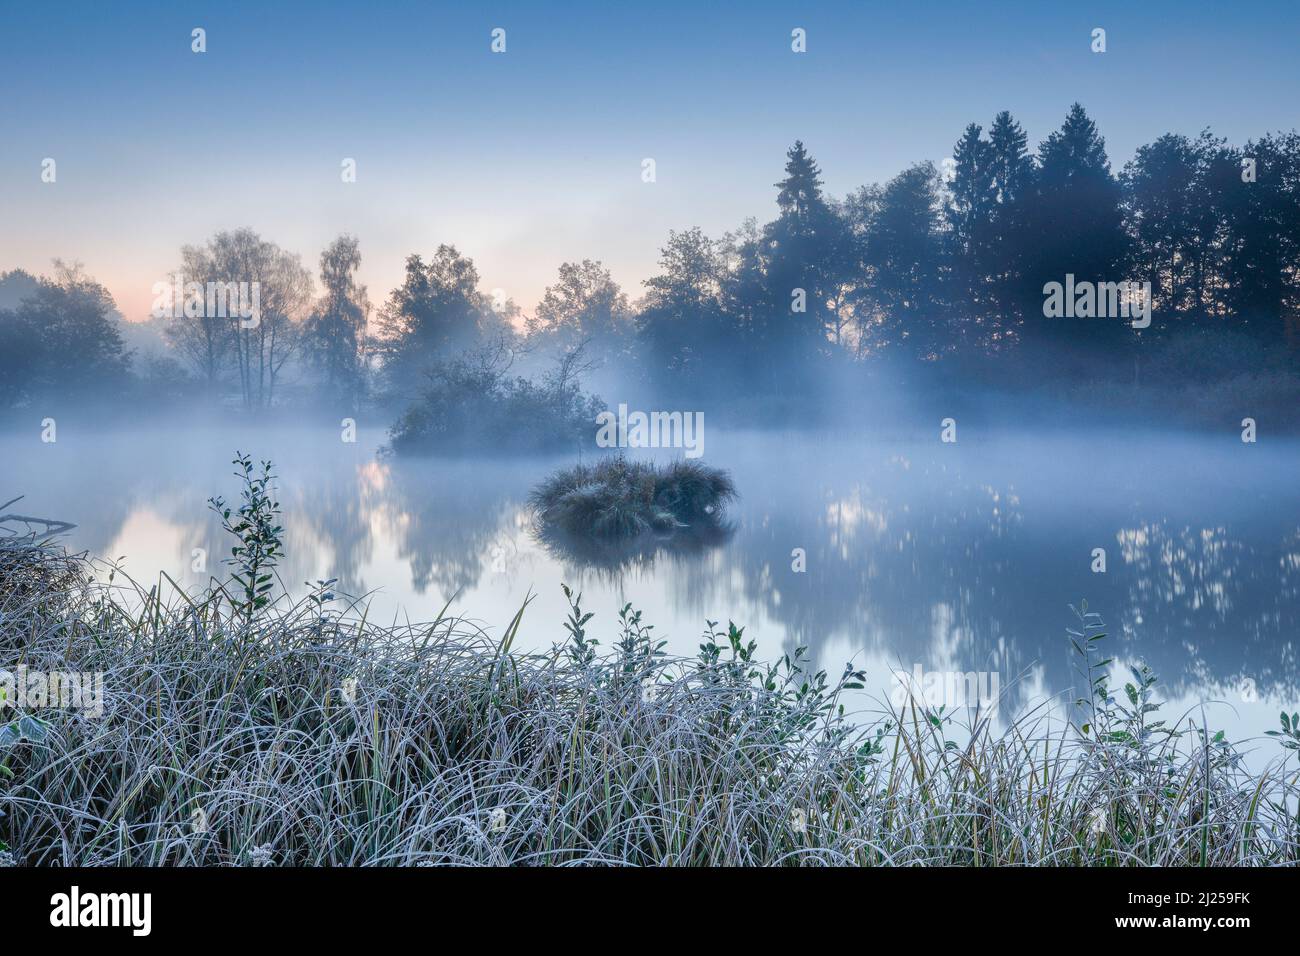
51 526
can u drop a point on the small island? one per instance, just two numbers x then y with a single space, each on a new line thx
617 500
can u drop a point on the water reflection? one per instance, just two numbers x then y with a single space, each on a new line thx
955 557
612 559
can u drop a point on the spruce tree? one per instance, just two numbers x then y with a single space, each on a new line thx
800 197
1011 171
1078 228
968 211
805 249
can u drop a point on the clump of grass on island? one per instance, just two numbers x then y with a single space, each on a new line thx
617 498
240 728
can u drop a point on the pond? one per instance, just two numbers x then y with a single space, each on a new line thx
897 552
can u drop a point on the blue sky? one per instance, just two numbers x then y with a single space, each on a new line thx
532 157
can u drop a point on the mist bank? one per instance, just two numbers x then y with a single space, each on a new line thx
466 413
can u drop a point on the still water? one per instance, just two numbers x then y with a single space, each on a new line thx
957 557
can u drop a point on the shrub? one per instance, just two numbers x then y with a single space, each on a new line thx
469 404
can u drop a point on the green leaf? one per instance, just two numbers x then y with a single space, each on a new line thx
24 728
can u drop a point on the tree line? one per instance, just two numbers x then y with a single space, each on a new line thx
942 266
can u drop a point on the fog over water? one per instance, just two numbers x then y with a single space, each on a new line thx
957 557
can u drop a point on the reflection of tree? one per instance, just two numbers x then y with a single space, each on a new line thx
915 574
323 501
56 483
446 516
1239 598
919 562
333 507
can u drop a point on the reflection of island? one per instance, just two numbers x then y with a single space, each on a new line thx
611 558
